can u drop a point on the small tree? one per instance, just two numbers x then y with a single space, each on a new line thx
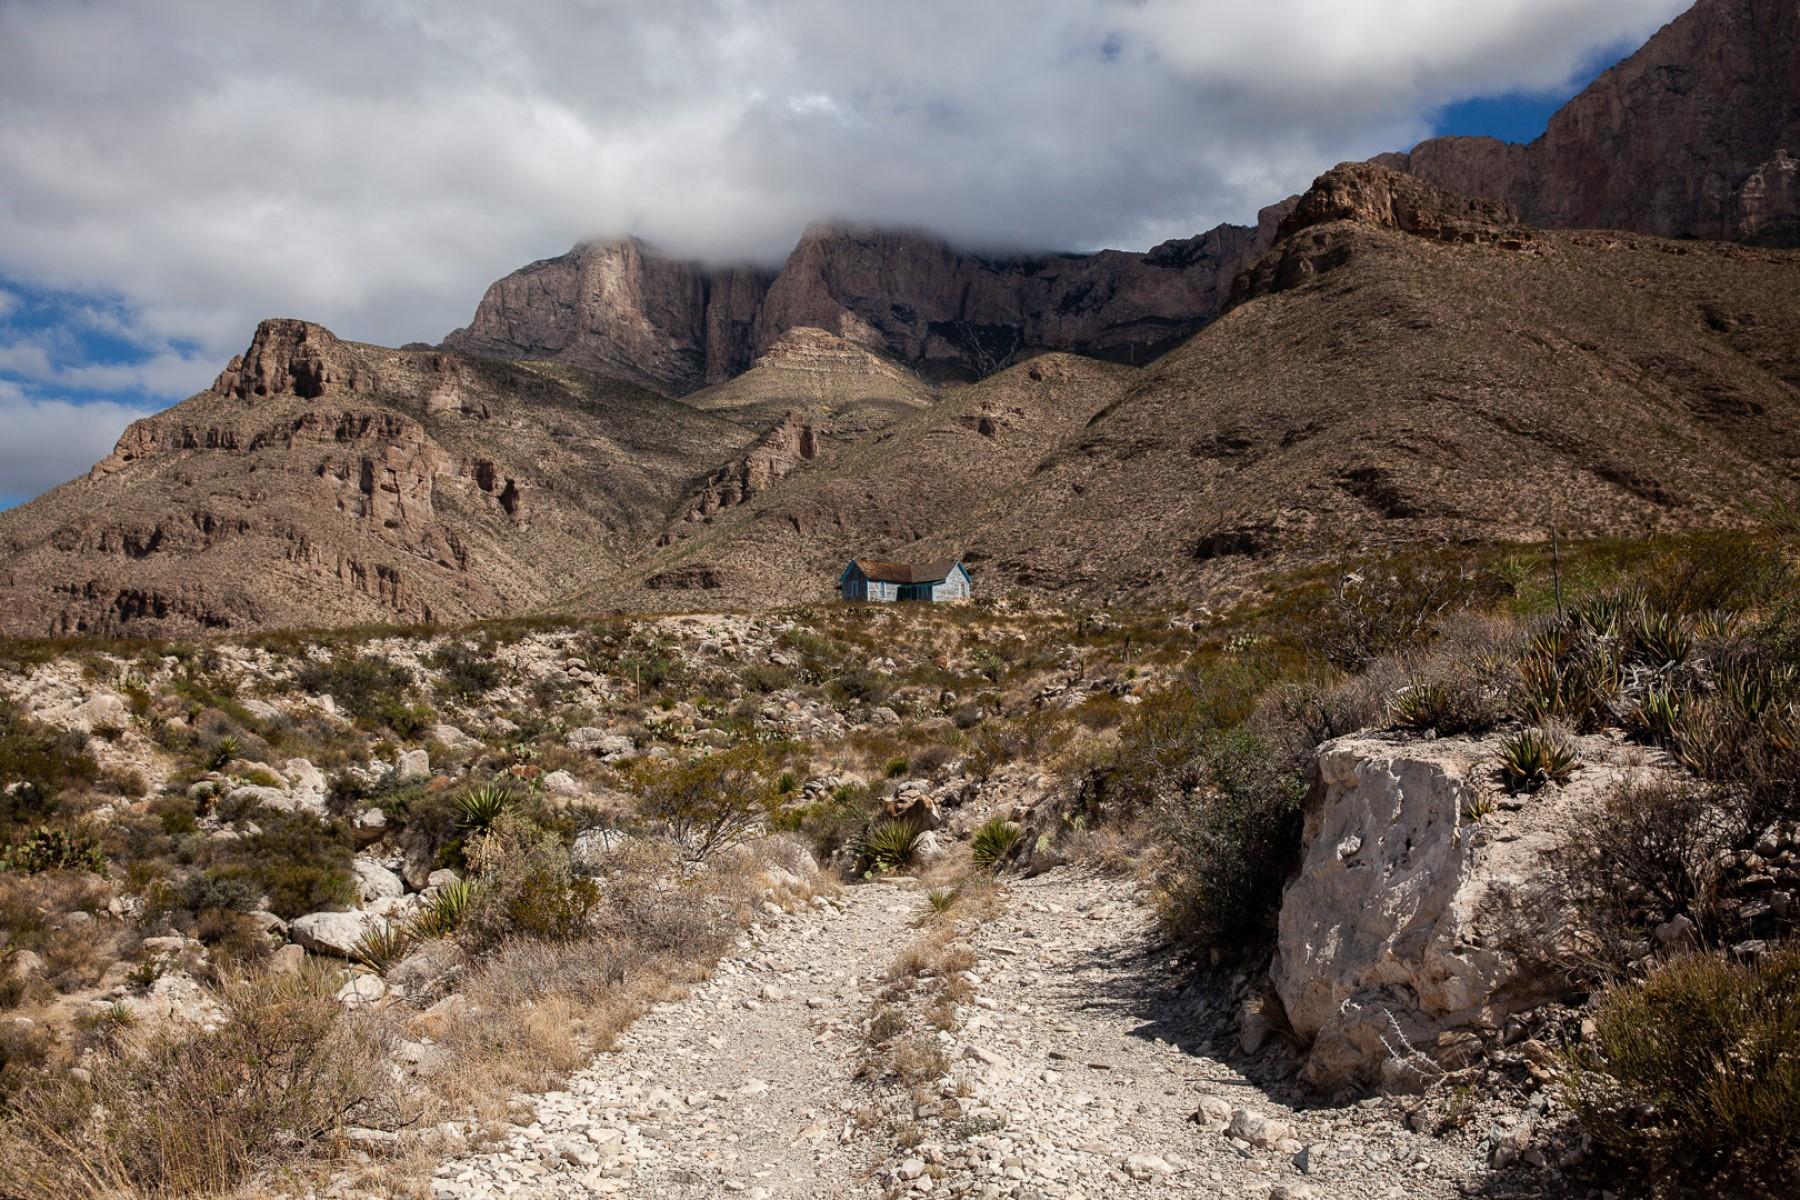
708 803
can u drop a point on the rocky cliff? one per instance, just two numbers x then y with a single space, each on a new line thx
621 309
1695 135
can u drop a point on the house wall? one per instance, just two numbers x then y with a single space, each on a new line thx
954 588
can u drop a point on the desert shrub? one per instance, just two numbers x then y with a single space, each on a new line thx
1692 1075
197 1112
529 887
896 768
212 889
764 678
1652 853
1534 758
36 764
709 803
858 684
46 849
371 689
1232 841
300 863
993 840
1381 608
888 845
468 671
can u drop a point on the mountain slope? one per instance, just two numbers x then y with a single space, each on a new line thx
1408 365
905 490
1695 135
321 482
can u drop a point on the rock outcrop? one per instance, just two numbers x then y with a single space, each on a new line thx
1422 914
1695 135
620 308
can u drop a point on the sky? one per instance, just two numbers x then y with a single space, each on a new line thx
172 171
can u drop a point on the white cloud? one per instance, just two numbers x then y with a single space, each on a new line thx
51 441
373 164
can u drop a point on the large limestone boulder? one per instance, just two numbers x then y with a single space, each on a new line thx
376 882
1413 921
334 933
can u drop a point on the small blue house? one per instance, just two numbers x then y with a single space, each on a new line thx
873 579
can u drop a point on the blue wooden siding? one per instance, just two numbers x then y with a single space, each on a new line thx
854 585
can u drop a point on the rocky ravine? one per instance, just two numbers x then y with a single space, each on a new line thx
1080 1067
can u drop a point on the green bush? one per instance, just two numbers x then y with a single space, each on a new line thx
1693 1077
1232 841
369 688
528 887
301 864
469 671
38 763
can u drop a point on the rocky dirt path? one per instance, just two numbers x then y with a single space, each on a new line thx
739 1088
1078 1070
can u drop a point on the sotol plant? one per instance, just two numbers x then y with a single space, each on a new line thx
481 805
993 841
889 845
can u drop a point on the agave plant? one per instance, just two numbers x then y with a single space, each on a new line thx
1532 758
993 841
1656 716
1419 705
222 752
481 805
1660 638
889 845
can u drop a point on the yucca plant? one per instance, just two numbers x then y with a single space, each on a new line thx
445 911
994 840
481 805
889 845
941 899
222 752
382 946
1532 758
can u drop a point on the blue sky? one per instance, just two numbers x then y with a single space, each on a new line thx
166 181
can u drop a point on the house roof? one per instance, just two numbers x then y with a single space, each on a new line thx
900 572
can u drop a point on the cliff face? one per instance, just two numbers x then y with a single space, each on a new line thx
1695 135
620 309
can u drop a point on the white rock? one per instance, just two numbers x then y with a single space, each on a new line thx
442 877
1260 1131
1385 932
452 738
1214 1113
334 933
361 990
412 764
561 783
375 882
